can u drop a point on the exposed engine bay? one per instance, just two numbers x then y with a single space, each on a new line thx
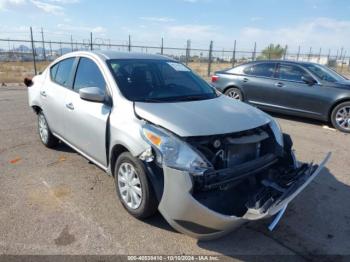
250 171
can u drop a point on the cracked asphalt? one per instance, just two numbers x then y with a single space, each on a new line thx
56 202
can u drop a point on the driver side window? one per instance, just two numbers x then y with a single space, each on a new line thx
292 73
88 75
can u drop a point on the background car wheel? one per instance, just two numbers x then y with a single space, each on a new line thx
46 137
133 187
235 93
341 117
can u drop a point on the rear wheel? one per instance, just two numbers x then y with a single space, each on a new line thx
46 137
133 187
234 93
341 117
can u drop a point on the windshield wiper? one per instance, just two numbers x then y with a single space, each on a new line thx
151 100
192 98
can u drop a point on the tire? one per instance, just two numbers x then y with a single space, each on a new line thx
46 137
138 199
235 93
340 117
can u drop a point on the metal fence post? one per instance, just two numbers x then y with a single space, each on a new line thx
188 48
43 41
270 46
129 44
285 52
91 44
71 42
254 52
309 55
33 50
234 54
343 61
319 56
60 47
329 56
298 53
210 57
336 57
162 47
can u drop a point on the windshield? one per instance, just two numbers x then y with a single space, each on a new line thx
146 80
325 73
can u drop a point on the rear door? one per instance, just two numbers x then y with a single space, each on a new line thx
53 94
86 121
296 96
259 83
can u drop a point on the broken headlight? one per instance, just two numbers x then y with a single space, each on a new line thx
173 152
277 131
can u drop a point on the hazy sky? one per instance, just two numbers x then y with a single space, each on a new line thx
316 23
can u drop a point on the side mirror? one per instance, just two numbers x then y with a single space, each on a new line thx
308 80
93 94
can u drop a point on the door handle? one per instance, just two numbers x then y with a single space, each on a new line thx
279 84
70 106
245 80
43 93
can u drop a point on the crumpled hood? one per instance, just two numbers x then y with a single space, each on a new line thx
221 115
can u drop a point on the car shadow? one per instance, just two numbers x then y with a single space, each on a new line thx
300 119
158 221
64 148
317 222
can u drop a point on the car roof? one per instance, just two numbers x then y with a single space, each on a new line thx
280 61
108 54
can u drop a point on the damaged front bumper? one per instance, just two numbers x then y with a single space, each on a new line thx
187 215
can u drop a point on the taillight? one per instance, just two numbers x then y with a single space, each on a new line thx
214 78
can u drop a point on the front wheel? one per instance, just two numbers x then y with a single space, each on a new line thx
341 117
133 187
234 93
46 137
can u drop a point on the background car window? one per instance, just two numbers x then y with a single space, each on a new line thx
63 71
261 69
292 73
88 75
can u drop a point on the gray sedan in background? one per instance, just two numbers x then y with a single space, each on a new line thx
296 88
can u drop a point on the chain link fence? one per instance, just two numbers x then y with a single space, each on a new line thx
20 58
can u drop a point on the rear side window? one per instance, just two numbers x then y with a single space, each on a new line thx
61 72
261 69
291 73
88 75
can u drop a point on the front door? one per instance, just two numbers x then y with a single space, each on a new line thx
294 94
86 121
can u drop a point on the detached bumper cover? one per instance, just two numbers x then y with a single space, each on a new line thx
187 215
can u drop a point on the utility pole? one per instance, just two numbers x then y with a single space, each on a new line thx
33 49
43 41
